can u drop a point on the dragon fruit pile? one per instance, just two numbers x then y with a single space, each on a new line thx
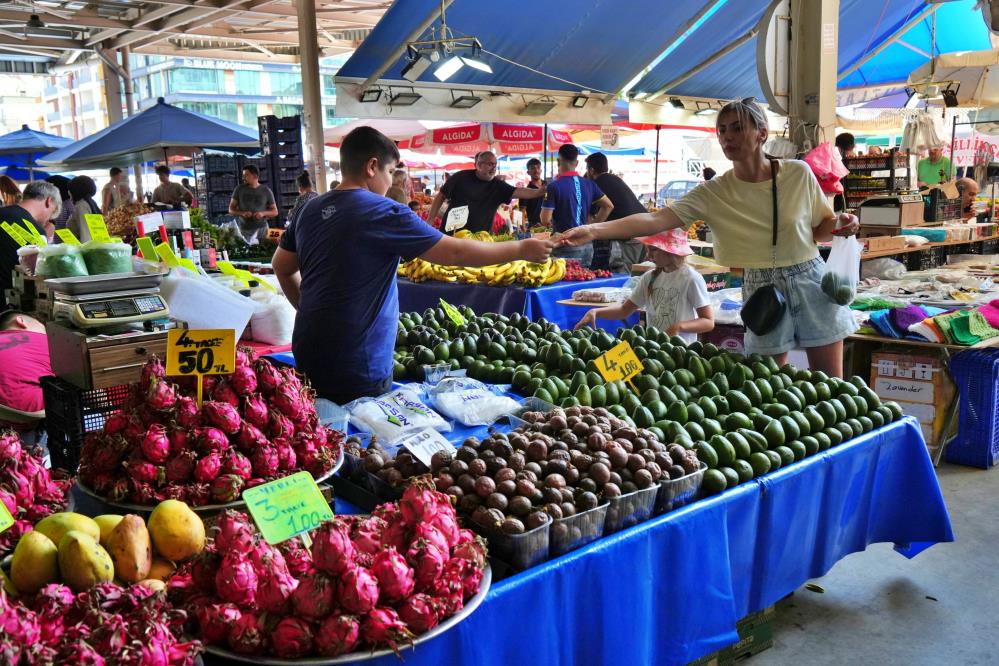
27 489
255 425
136 625
368 581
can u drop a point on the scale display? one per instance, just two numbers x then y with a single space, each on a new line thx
110 311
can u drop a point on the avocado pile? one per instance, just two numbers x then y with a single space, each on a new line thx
743 415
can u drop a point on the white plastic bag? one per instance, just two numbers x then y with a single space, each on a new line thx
882 269
394 414
470 402
274 321
842 270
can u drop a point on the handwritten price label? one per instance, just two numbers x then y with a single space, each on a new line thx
287 507
209 351
98 228
452 313
425 443
619 362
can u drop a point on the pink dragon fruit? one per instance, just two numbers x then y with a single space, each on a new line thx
338 634
467 575
266 558
243 380
420 613
226 488
268 377
236 463
466 536
156 445
215 621
255 411
10 446
153 368
236 581
161 395
265 461
280 426
108 455
180 440
80 653
427 561
135 430
395 577
297 558
223 393
474 551
187 414
367 537
198 494
255 481
382 627
287 460
115 424
420 502
146 472
314 597
245 356
288 401
180 468
250 438
18 627
332 550
234 532
174 491
8 500
246 635
222 415
51 603
208 468
144 493
446 522
204 567
433 535
274 592
318 462
291 638
211 440
396 533
358 590
120 490
291 377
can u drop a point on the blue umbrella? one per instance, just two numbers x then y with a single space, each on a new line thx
21 175
19 148
151 135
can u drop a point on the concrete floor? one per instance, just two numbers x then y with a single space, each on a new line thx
942 607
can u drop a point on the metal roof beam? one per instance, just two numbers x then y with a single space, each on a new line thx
44 43
217 54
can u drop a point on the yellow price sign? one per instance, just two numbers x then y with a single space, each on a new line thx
67 236
6 520
16 233
206 351
166 255
287 507
147 248
98 229
619 362
452 313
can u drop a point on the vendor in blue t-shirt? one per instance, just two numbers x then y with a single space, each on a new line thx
567 204
337 265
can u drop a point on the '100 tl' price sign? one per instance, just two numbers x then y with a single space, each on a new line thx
210 351
287 507
619 362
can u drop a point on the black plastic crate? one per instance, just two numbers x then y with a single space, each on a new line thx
215 163
71 413
287 200
936 208
291 163
288 187
919 261
272 123
990 246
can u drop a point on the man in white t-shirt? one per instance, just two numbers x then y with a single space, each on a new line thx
673 295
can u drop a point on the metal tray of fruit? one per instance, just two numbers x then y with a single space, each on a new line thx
353 657
205 508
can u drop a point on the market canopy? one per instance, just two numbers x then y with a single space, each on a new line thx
976 72
151 135
22 147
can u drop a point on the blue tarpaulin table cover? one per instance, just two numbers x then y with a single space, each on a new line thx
670 590
532 303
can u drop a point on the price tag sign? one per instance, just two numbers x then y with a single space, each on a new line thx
167 255
98 230
619 362
452 313
15 233
147 248
6 520
287 507
67 236
425 443
32 233
207 351
457 218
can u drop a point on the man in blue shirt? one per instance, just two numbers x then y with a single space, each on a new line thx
567 204
337 265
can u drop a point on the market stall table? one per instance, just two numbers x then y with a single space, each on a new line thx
670 590
533 303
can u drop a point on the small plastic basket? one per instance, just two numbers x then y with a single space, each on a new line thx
629 510
976 373
332 415
528 405
674 493
522 551
576 531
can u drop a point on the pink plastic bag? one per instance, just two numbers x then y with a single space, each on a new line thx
827 166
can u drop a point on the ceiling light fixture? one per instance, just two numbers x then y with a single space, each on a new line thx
705 109
448 68
404 98
464 101
539 107
372 95
415 68
676 102
453 53
34 22
579 101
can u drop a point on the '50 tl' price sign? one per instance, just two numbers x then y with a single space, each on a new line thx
619 362
287 507
201 352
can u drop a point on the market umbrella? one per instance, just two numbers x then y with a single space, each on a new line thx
151 135
21 147
976 71
23 175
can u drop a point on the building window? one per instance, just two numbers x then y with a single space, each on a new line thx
247 82
222 110
249 115
285 110
156 83
286 84
329 87
188 79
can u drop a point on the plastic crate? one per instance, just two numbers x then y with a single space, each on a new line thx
522 551
938 209
271 123
213 163
674 493
976 373
71 412
284 164
577 531
629 510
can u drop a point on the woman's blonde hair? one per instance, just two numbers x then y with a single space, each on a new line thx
9 191
746 109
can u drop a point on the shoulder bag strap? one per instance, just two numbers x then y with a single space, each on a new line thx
773 190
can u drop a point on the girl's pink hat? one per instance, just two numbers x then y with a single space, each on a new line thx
673 241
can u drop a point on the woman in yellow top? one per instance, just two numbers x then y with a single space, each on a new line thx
738 208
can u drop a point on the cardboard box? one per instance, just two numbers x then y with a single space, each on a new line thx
883 243
756 634
919 383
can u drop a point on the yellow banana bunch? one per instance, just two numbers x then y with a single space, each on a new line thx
519 272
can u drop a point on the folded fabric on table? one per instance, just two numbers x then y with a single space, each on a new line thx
881 321
980 326
873 303
991 313
929 330
903 318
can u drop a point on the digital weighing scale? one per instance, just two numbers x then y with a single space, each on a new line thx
110 308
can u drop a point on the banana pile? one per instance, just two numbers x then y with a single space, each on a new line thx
477 235
524 273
